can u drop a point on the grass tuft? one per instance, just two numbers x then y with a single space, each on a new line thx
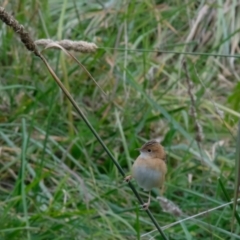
57 181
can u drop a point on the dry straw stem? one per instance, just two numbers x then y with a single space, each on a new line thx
76 46
19 29
193 112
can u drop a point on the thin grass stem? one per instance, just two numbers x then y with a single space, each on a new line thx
173 52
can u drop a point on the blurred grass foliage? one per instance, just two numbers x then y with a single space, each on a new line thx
56 182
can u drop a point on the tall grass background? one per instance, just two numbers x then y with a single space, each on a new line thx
57 181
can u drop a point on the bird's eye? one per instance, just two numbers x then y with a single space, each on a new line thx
149 150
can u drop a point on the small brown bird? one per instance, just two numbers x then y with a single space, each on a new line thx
149 169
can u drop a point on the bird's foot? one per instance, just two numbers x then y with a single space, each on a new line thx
145 206
127 178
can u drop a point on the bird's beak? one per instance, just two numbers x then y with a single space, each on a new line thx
138 149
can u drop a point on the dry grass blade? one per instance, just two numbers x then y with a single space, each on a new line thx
193 112
203 11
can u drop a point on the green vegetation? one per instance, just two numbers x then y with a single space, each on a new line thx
57 181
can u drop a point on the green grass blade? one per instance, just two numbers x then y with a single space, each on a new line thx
23 173
237 178
228 199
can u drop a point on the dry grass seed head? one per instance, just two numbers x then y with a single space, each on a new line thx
19 29
76 46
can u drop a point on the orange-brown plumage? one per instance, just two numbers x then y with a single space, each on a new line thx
149 169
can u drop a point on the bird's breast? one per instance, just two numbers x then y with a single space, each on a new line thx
147 178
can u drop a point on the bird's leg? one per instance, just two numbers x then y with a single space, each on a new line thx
128 178
146 205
